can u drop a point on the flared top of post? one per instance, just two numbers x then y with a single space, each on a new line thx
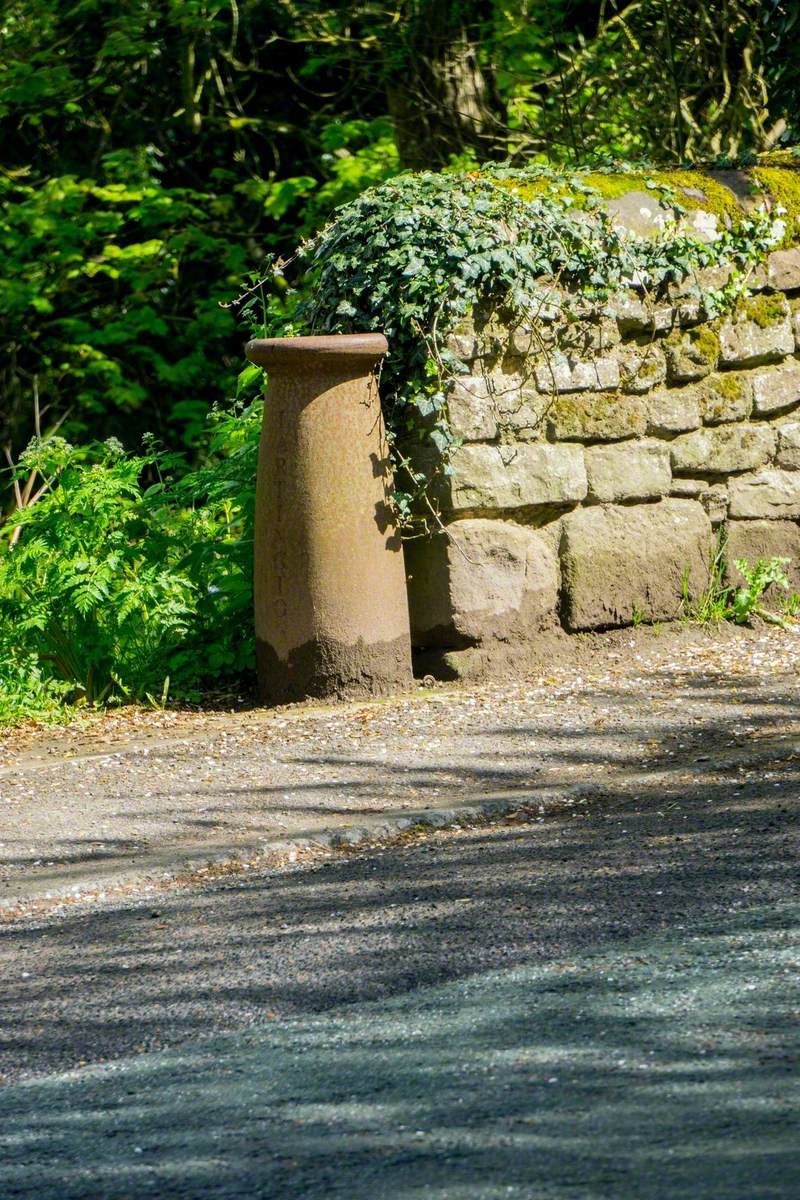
361 351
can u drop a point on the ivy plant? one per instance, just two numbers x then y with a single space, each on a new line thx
414 256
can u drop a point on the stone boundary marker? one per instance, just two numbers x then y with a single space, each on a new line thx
600 458
331 611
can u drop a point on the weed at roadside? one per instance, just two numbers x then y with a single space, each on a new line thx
725 602
712 604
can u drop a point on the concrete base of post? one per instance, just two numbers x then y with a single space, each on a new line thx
331 610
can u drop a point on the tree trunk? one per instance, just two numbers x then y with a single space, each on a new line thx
441 96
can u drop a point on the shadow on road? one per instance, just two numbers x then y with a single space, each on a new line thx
597 1005
659 1070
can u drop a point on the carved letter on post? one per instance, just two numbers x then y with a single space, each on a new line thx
331 610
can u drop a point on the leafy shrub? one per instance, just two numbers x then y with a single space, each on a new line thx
27 690
131 572
108 299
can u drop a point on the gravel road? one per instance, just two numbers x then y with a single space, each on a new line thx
590 1005
139 797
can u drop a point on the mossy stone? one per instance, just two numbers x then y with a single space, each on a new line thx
602 417
777 175
725 398
727 386
692 354
705 341
763 310
782 185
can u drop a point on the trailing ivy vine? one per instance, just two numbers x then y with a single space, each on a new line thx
413 257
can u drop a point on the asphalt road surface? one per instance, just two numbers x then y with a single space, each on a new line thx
596 1005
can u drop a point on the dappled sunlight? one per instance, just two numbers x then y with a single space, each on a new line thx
656 737
662 1061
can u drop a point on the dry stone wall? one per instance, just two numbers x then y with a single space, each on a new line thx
599 460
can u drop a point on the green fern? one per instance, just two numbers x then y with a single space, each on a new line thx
131 569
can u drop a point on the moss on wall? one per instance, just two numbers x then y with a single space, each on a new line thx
695 190
763 310
715 196
705 341
556 187
727 386
648 368
782 185
611 187
777 176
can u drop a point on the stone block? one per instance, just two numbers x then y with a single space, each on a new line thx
530 474
772 493
776 390
642 367
563 373
589 337
759 332
691 354
714 500
638 211
723 449
521 412
644 213
524 341
670 412
598 418
789 445
634 315
480 580
684 486
752 540
638 470
463 344
621 559
471 409
690 312
724 398
783 269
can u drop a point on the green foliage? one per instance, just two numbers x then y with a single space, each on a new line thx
149 159
99 303
634 78
746 601
721 601
28 692
356 155
791 605
126 573
711 606
780 21
416 255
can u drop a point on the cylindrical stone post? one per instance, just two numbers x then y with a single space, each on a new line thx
331 609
